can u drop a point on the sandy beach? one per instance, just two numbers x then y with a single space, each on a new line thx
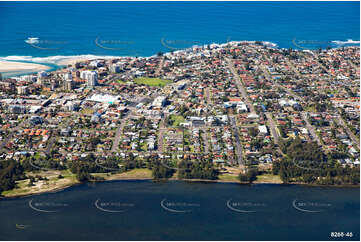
72 61
12 66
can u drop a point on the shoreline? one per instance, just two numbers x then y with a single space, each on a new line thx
8 67
112 179
36 64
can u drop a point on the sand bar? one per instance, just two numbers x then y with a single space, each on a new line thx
12 66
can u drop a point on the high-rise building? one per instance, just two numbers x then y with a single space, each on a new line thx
68 85
40 77
68 76
22 90
90 76
92 79
115 68
42 74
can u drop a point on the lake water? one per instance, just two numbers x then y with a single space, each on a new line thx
175 210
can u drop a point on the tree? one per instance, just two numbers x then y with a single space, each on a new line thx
200 169
160 171
250 176
253 132
82 176
284 176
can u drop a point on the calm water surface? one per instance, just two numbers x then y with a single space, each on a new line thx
143 210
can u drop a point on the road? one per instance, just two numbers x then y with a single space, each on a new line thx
118 133
51 142
240 85
162 127
272 127
340 119
160 66
238 142
289 92
294 69
311 128
208 97
12 132
343 124
205 141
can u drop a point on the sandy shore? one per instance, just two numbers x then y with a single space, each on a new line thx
12 66
72 61
69 180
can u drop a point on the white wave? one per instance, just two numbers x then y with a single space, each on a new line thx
269 44
347 42
57 59
61 59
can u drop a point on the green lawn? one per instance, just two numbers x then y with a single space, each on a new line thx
177 119
53 183
87 111
137 173
268 178
229 177
152 81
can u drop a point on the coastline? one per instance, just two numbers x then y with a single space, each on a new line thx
11 66
17 66
112 178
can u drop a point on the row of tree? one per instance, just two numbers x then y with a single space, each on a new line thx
10 172
305 162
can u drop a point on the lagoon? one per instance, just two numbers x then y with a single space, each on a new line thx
177 210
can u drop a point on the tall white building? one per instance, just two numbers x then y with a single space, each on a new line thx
42 74
90 76
22 90
68 85
68 76
115 68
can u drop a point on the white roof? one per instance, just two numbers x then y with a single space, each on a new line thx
262 129
103 98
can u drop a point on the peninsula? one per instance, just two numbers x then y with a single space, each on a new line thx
234 112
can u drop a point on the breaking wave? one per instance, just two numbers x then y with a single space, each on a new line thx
347 42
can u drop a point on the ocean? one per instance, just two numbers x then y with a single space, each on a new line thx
175 210
45 32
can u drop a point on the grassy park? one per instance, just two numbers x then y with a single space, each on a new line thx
155 82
